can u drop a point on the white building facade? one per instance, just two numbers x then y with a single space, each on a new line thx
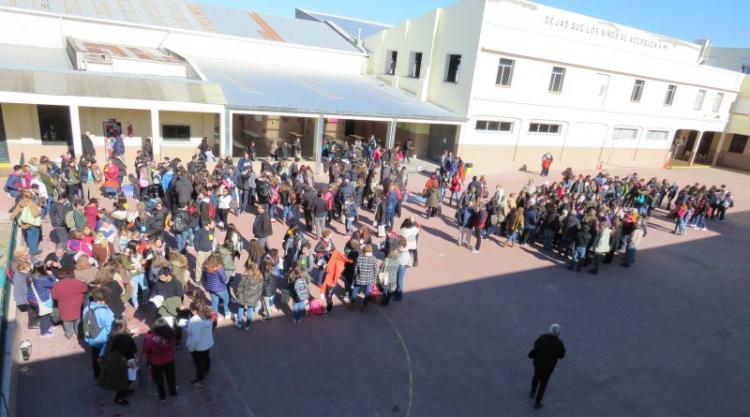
532 79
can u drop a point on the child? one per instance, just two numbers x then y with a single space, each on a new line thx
299 282
200 340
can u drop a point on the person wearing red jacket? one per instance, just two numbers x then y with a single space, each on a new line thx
69 292
158 347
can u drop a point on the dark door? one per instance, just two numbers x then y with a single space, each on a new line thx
442 138
3 140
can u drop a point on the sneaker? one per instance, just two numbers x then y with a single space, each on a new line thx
197 383
238 325
474 251
228 316
247 328
48 334
703 229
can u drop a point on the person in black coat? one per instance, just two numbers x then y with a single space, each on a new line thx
87 146
548 349
262 228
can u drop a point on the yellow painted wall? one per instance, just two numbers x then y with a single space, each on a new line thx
21 121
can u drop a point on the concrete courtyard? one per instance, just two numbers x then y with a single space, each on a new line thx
666 337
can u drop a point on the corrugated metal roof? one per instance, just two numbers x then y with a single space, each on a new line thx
183 14
350 25
277 89
33 58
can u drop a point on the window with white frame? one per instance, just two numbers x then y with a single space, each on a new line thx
638 87
624 133
657 135
391 58
493 126
717 102
556 80
505 72
699 99
669 98
548 128
415 65
453 69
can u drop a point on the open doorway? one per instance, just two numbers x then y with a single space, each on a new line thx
269 132
54 125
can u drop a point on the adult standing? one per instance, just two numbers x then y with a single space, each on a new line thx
546 163
200 340
262 227
548 349
28 215
204 245
159 349
87 146
69 293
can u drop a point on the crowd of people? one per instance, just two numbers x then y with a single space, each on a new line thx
144 242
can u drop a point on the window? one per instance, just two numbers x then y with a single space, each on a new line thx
54 123
390 62
717 102
505 72
494 126
699 98
556 80
415 65
454 68
624 133
553 129
635 96
669 98
657 135
175 132
739 142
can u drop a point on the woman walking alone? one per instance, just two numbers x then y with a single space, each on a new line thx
200 340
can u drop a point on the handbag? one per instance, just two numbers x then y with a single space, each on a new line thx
44 308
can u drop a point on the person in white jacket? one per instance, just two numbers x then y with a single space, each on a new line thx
601 245
200 339
410 232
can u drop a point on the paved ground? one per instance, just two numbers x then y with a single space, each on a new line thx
666 337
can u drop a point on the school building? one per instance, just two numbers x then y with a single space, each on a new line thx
497 82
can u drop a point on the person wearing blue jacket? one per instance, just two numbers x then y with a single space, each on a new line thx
215 281
14 184
530 225
104 319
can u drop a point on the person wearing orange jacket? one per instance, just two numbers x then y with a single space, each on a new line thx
334 269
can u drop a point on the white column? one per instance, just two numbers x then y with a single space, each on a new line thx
722 139
225 138
75 128
318 144
390 141
156 133
695 147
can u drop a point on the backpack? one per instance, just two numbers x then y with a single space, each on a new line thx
180 223
211 210
91 327
301 290
264 189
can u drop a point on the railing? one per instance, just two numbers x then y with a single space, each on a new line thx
5 295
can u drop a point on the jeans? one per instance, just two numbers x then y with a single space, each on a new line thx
241 315
202 361
298 309
267 305
549 236
31 236
71 328
629 256
400 282
222 295
513 238
679 227
355 292
161 372
389 214
247 198
319 226
138 281
578 256
183 239
350 225
478 237
285 212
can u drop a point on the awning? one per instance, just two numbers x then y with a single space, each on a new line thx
109 86
280 89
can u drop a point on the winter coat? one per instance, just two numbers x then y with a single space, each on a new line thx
433 197
410 234
334 269
184 190
158 350
248 291
601 245
69 295
215 281
199 334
